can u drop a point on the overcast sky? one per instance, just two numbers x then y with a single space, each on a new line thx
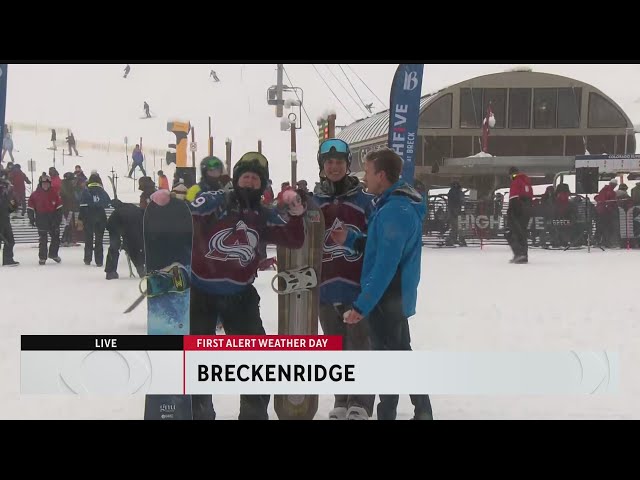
100 105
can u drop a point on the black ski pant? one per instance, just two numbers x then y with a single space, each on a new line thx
136 254
54 232
140 166
6 237
389 330
67 233
518 216
240 315
355 337
93 237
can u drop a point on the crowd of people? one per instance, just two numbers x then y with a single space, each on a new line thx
371 255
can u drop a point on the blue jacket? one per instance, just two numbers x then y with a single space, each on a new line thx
93 202
393 247
137 157
341 268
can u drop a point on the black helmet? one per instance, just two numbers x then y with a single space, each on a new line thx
252 162
211 163
334 147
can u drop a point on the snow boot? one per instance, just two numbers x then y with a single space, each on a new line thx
338 413
357 413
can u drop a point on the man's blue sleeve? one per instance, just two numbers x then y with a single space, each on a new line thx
208 203
390 242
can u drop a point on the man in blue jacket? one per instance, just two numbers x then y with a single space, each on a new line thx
391 270
138 161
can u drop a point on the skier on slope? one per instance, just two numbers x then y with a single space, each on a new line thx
228 226
344 205
137 160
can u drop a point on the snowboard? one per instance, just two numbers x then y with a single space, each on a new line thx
168 234
298 288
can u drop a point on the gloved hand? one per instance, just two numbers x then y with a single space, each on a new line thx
161 197
293 203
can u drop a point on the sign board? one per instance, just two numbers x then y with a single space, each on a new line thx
610 163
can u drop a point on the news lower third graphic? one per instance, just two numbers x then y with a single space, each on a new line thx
103 365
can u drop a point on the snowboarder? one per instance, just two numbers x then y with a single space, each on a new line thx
344 204
125 227
391 269
7 206
127 69
93 202
137 161
45 213
227 229
214 75
518 215
53 139
146 110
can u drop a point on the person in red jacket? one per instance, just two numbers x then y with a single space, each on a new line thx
18 179
163 181
56 181
45 213
518 215
607 209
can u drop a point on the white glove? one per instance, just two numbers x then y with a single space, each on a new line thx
294 205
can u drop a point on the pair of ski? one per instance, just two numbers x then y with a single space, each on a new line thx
168 236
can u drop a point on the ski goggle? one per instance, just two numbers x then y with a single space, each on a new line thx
214 163
334 146
254 158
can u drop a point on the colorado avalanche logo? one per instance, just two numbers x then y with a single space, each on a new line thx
237 243
332 251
